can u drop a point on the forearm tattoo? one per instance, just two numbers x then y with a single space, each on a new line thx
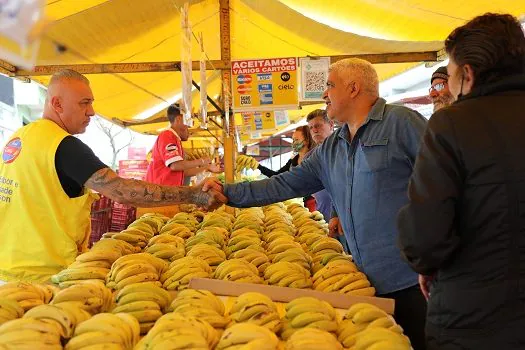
141 193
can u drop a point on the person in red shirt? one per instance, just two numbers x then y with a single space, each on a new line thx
168 166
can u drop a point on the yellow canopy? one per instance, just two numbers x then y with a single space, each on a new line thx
137 31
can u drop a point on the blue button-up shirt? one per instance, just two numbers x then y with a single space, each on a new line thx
367 177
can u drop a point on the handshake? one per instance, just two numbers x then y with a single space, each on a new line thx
209 194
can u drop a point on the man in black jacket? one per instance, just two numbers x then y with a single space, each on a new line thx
464 227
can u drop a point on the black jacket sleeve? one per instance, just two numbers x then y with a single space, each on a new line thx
269 172
428 235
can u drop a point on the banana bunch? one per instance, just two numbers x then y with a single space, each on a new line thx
212 255
135 268
244 232
245 162
30 334
242 241
145 301
321 260
177 229
256 308
64 317
312 339
92 295
175 331
155 221
208 236
378 338
362 316
238 270
249 221
285 249
27 295
308 312
198 153
9 310
94 264
297 209
106 331
253 211
166 247
305 225
217 219
200 304
248 336
288 274
185 219
272 235
256 257
342 276
136 235
124 248
181 271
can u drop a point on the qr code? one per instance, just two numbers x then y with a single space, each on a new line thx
315 81
246 100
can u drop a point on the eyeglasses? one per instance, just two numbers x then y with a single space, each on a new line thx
437 87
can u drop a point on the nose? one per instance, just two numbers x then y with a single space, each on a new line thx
90 111
434 93
325 94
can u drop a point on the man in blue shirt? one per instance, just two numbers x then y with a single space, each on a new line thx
365 166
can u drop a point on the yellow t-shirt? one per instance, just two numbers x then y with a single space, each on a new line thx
41 228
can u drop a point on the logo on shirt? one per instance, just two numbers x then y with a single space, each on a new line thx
12 150
171 147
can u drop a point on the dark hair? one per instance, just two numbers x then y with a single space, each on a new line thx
173 112
492 44
309 141
318 113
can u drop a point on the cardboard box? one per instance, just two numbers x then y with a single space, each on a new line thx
283 294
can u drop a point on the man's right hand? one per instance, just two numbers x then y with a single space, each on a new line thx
424 284
208 195
334 227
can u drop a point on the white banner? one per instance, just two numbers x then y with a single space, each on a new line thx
186 65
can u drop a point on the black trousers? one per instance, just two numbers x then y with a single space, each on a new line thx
410 313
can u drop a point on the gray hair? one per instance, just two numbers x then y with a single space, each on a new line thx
362 71
67 74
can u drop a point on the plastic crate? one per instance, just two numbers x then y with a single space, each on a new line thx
122 216
100 218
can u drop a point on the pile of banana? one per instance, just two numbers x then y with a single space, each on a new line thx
308 312
106 331
175 331
312 339
238 270
287 274
179 229
285 249
378 338
166 246
213 236
256 308
248 336
242 239
361 317
154 220
198 153
145 301
91 295
185 219
255 256
245 162
135 268
30 334
342 276
217 219
65 317
137 235
200 304
251 218
27 295
181 271
9 310
212 255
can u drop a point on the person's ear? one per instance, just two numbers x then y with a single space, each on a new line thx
353 89
468 76
56 103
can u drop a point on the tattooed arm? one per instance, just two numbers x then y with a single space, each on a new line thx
144 194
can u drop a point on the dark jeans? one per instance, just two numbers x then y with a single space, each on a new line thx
410 313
